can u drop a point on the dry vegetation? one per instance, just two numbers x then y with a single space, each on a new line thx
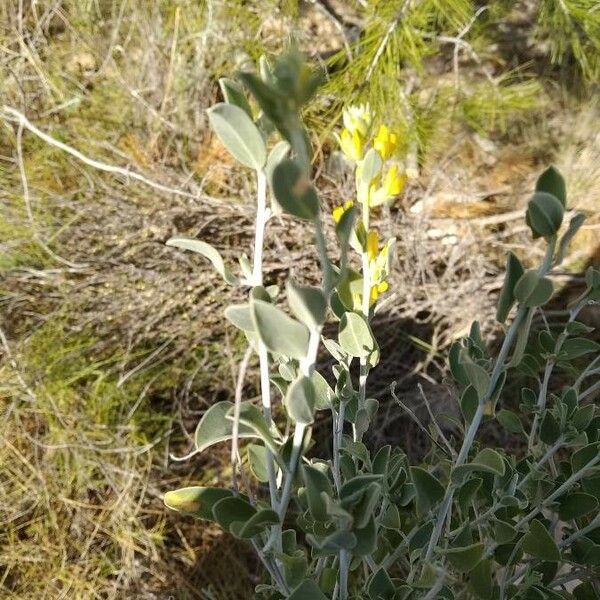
113 344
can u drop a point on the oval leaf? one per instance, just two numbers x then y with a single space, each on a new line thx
207 251
238 134
279 332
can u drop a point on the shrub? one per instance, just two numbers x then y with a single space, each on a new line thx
471 521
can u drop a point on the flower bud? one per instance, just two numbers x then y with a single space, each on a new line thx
352 144
357 118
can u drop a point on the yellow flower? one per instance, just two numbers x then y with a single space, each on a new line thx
373 296
377 290
338 212
372 244
357 118
385 142
394 181
352 144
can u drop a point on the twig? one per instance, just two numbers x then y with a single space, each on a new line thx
239 388
10 114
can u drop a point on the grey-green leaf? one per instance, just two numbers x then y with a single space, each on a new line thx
207 251
514 270
307 303
355 335
574 225
214 427
539 543
278 331
308 590
552 182
300 400
532 290
294 192
234 94
196 501
238 134
240 316
429 490
465 559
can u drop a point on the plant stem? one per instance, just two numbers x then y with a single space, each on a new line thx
344 570
478 417
366 297
543 393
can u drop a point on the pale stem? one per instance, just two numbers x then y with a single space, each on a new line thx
541 401
262 217
366 297
477 418
344 570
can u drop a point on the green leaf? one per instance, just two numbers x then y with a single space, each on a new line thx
300 400
255 525
576 347
294 567
491 460
367 505
478 377
234 94
544 214
277 154
466 558
308 590
371 167
552 182
294 192
550 429
510 421
514 271
429 490
583 417
481 580
279 332
532 290
257 460
366 538
208 252
504 532
355 335
251 418
231 510
574 225
317 485
332 544
238 134
353 489
380 586
469 401
324 395
584 456
456 367
307 303
539 543
576 505
196 501
240 316
214 427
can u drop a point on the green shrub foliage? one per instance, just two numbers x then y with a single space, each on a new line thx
472 521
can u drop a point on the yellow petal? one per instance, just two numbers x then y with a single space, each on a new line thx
372 244
383 287
337 213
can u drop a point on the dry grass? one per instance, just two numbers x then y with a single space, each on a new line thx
113 344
